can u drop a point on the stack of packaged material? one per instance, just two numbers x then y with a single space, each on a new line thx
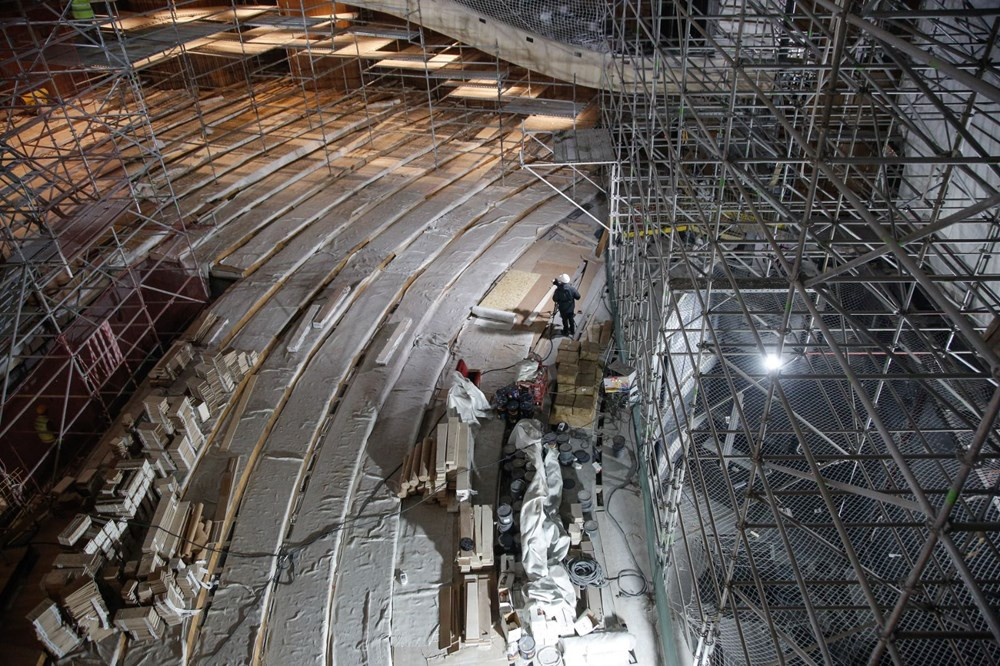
216 376
57 637
190 577
578 375
173 363
85 605
125 487
72 533
142 623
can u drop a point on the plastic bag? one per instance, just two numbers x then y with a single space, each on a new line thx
466 400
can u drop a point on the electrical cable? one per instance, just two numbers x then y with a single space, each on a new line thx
637 571
584 572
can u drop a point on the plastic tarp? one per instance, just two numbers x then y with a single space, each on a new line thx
544 542
466 400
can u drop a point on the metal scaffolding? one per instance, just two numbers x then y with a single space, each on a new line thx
804 214
115 127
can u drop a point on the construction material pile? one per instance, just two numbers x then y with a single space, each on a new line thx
439 466
137 562
578 378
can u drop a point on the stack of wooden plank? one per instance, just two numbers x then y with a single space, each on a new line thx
466 614
476 526
178 529
170 367
476 612
578 377
72 532
125 488
57 637
142 623
104 538
450 623
83 603
215 376
190 577
419 474
440 464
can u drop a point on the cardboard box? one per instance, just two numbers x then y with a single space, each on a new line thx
564 399
566 374
567 356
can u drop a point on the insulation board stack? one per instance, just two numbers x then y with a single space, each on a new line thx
578 376
58 638
142 623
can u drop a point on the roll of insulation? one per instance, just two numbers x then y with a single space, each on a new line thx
495 315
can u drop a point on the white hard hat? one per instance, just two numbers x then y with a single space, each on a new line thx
564 278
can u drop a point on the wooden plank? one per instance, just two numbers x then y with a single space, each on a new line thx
486 551
440 455
485 613
446 628
451 455
392 344
425 459
462 476
472 630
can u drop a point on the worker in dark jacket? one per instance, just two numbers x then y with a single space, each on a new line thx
566 297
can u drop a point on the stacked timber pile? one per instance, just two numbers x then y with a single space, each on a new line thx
137 562
476 527
466 613
439 467
157 587
52 630
578 376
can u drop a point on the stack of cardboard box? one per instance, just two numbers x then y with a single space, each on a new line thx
578 378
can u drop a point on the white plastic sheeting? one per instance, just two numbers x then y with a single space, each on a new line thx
466 400
544 541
